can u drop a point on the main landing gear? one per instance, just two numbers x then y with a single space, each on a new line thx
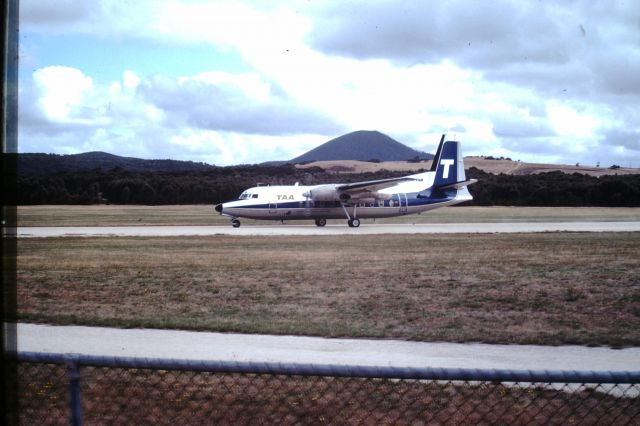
353 222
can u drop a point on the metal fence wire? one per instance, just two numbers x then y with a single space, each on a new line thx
63 389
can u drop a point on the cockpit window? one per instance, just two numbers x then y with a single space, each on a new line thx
254 196
246 196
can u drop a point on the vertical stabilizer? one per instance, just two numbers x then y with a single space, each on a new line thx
449 165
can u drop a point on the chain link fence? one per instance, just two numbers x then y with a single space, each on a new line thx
63 389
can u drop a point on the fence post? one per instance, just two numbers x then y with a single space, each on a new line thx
73 374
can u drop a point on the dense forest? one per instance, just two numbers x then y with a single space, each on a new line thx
554 189
217 184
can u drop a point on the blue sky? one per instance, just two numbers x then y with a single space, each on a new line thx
104 59
230 82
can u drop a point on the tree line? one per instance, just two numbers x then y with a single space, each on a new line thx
218 184
555 189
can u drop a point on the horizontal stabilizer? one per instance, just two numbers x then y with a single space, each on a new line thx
457 185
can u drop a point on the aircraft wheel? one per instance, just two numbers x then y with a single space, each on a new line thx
321 222
355 223
235 223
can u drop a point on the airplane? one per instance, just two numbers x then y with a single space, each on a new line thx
445 184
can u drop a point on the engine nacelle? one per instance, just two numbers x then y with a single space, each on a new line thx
327 193
379 196
330 193
369 197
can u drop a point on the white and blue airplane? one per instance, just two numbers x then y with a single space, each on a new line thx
444 185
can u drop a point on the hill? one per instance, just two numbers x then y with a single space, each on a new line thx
519 168
350 153
487 165
362 145
39 164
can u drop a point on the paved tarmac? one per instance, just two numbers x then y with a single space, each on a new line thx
192 345
306 229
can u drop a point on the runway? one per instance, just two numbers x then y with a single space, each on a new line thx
192 345
306 229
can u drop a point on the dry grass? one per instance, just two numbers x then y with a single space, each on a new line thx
112 215
528 288
116 215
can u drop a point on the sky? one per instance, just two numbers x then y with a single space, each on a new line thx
242 81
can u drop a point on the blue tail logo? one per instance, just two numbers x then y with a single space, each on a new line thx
448 165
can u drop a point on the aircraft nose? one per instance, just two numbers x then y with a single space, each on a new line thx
219 208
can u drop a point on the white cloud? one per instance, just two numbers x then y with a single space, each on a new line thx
570 123
48 16
545 80
152 117
225 148
229 23
250 85
130 80
101 18
63 91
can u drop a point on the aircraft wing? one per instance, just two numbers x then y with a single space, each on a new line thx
370 186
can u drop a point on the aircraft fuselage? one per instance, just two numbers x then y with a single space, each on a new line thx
444 185
289 202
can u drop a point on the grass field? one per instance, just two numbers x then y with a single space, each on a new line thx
109 215
553 288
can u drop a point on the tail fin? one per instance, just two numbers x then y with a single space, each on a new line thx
448 165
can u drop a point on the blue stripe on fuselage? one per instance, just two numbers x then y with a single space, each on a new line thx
412 200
